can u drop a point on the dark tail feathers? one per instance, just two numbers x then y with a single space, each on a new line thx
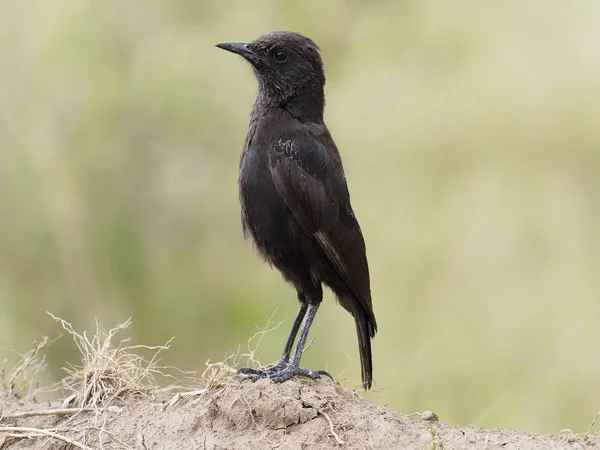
365 330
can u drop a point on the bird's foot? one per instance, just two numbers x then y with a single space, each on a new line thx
281 372
263 373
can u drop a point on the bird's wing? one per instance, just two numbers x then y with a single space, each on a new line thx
311 182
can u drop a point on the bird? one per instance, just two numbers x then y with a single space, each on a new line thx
295 203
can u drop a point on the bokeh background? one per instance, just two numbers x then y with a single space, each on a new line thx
470 134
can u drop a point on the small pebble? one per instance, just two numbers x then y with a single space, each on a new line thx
114 409
429 416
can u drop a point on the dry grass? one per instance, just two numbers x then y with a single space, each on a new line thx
109 372
217 375
22 379
110 369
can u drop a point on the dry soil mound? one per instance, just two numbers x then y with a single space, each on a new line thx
298 414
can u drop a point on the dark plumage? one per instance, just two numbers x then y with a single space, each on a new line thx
294 197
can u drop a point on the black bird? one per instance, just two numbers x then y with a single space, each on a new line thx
294 197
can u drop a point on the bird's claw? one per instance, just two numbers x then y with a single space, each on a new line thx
264 373
282 372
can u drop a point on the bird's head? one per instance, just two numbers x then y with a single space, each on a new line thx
287 65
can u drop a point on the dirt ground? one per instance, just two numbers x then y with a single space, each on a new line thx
298 414
112 399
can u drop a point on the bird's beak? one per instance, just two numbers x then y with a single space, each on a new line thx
241 48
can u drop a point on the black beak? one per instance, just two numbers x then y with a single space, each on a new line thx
241 48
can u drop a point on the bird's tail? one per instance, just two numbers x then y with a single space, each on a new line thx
365 330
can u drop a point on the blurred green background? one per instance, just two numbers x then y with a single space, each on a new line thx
470 134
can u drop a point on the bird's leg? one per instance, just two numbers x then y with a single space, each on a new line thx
287 371
285 356
293 368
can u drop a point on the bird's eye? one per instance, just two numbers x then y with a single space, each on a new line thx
281 56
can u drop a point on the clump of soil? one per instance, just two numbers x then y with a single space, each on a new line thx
298 414
112 401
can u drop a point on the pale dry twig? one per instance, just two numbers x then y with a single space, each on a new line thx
27 432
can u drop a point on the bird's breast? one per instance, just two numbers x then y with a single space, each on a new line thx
265 217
